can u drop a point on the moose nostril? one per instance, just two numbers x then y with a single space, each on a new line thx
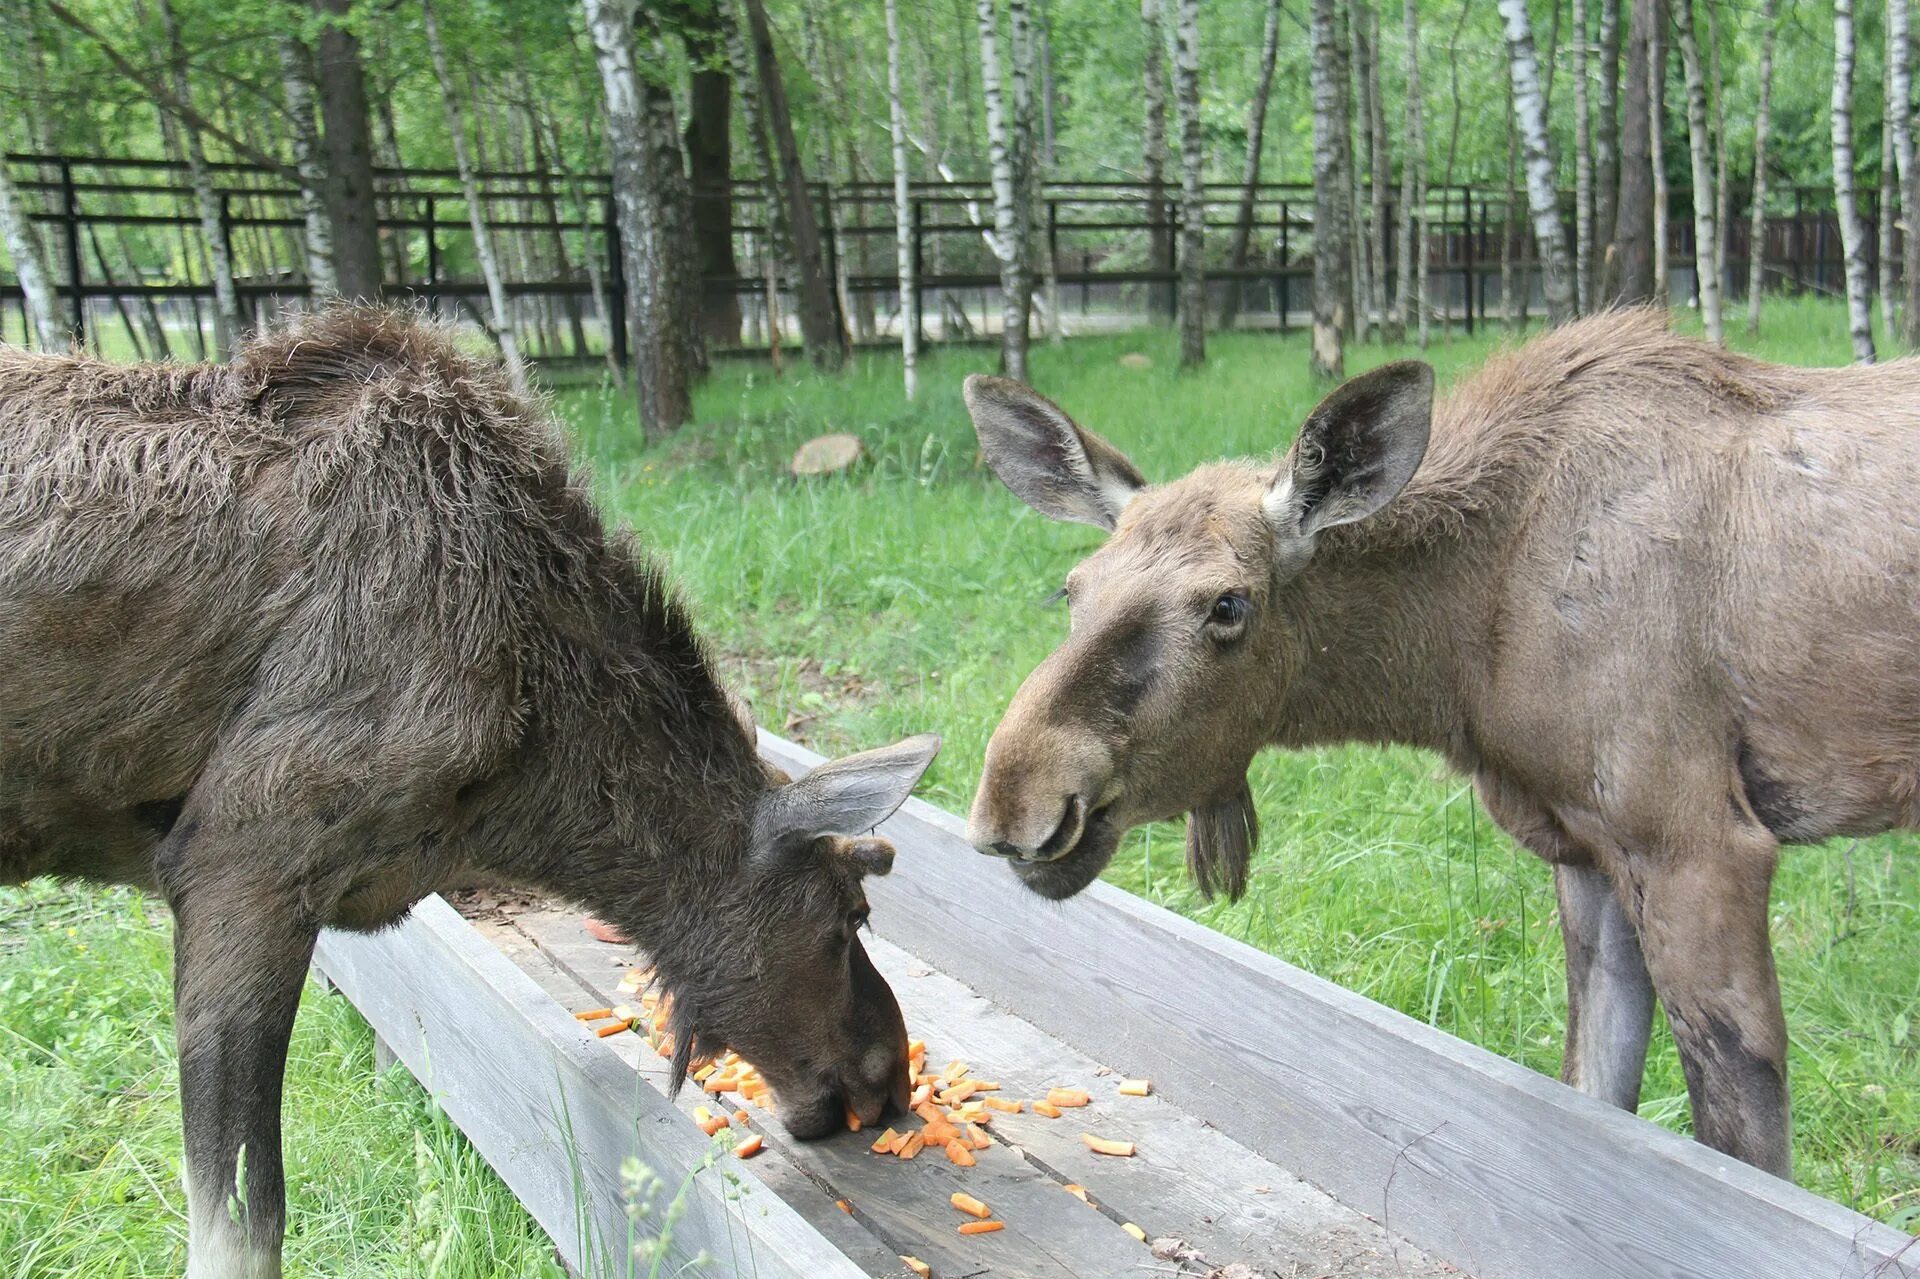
1066 834
1004 848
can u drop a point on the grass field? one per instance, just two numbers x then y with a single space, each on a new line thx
902 598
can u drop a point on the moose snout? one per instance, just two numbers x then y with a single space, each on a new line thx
1038 793
1049 830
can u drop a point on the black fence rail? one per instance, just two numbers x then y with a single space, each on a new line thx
124 238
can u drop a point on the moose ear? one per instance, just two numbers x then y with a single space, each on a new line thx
1061 471
846 796
1356 450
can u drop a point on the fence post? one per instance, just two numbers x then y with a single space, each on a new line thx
433 255
1286 262
918 318
76 284
617 288
1799 242
1469 264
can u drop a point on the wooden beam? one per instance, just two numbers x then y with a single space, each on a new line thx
1473 1158
551 1111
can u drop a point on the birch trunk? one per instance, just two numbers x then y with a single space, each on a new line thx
296 78
1153 160
347 144
1900 84
1412 294
1853 238
1762 122
1631 266
1332 191
1360 94
1020 138
1529 104
1657 147
1722 192
1886 208
1508 298
1381 160
51 327
1006 211
1606 152
662 378
902 208
499 318
1250 171
1056 318
1582 165
1193 199
226 299
1699 148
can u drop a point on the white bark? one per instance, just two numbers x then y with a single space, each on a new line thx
902 207
226 299
1887 208
1762 122
1529 105
44 310
499 318
1007 213
1193 202
1722 194
1582 165
1852 235
1900 85
1332 193
1361 96
1657 149
1413 185
1699 146
296 78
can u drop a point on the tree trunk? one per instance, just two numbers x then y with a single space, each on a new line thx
659 350
1630 275
52 328
1380 158
1657 147
1412 294
1530 111
1021 148
1606 152
1153 158
1193 198
821 329
774 251
1360 95
1886 208
1250 171
1508 298
1762 122
667 167
226 299
709 146
348 150
1056 318
296 79
499 316
902 207
1002 140
1722 193
1900 85
1582 166
1699 148
1332 191
1853 238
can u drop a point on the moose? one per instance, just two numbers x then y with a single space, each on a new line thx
295 641
1657 599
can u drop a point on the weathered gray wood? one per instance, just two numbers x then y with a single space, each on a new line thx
551 1111
1472 1157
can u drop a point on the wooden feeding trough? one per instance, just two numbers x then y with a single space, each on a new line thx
1294 1128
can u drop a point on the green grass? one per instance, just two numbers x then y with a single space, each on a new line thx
903 598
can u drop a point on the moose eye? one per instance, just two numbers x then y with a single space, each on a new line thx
857 918
1230 610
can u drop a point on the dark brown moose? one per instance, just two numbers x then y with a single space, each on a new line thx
1657 599
296 641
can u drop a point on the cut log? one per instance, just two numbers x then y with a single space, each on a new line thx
827 455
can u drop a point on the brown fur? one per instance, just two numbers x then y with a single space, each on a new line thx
297 640
1657 598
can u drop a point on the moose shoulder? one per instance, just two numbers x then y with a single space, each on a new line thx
297 640
1658 599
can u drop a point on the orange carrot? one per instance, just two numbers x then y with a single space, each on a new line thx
843 1206
968 1204
959 1093
921 1096
1100 1146
1046 1108
1077 1191
977 1139
940 1132
982 1227
613 1028
1134 1230
918 1266
742 1118
1135 1087
959 1154
853 1120
593 1014
749 1148
705 1073
915 1144
883 1143
1005 1107
1067 1097
980 1085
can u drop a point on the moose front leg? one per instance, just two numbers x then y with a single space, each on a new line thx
1609 995
240 957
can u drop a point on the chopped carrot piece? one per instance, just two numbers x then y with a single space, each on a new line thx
985 1086
915 1144
968 1204
957 1151
1077 1191
1046 1108
749 1148
916 1048
977 1139
665 1046
1135 1087
1005 1107
973 1112
940 1132
956 1071
742 1118
853 1120
882 1144
959 1093
712 1125
1134 1230
843 1206
593 1014
981 1227
1100 1146
918 1266
1067 1097
723 1083
921 1096
705 1073
612 1028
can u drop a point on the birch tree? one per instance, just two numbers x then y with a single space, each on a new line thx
1606 150
1250 172
1896 148
347 144
1657 146
773 252
1360 94
499 317
226 298
1008 216
902 207
1582 165
1853 238
1900 84
1530 112
51 328
1020 149
1153 157
1332 192
1193 198
1722 153
1412 293
1632 263
303 135
1762 122
1699 147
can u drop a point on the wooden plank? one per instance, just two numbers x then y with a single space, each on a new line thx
552 1113
1474 1158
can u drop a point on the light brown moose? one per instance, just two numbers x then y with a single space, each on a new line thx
1658 599
296 641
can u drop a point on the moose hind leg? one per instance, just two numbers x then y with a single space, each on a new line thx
240 957
1609 995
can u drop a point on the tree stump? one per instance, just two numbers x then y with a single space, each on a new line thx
826 455
1136 360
